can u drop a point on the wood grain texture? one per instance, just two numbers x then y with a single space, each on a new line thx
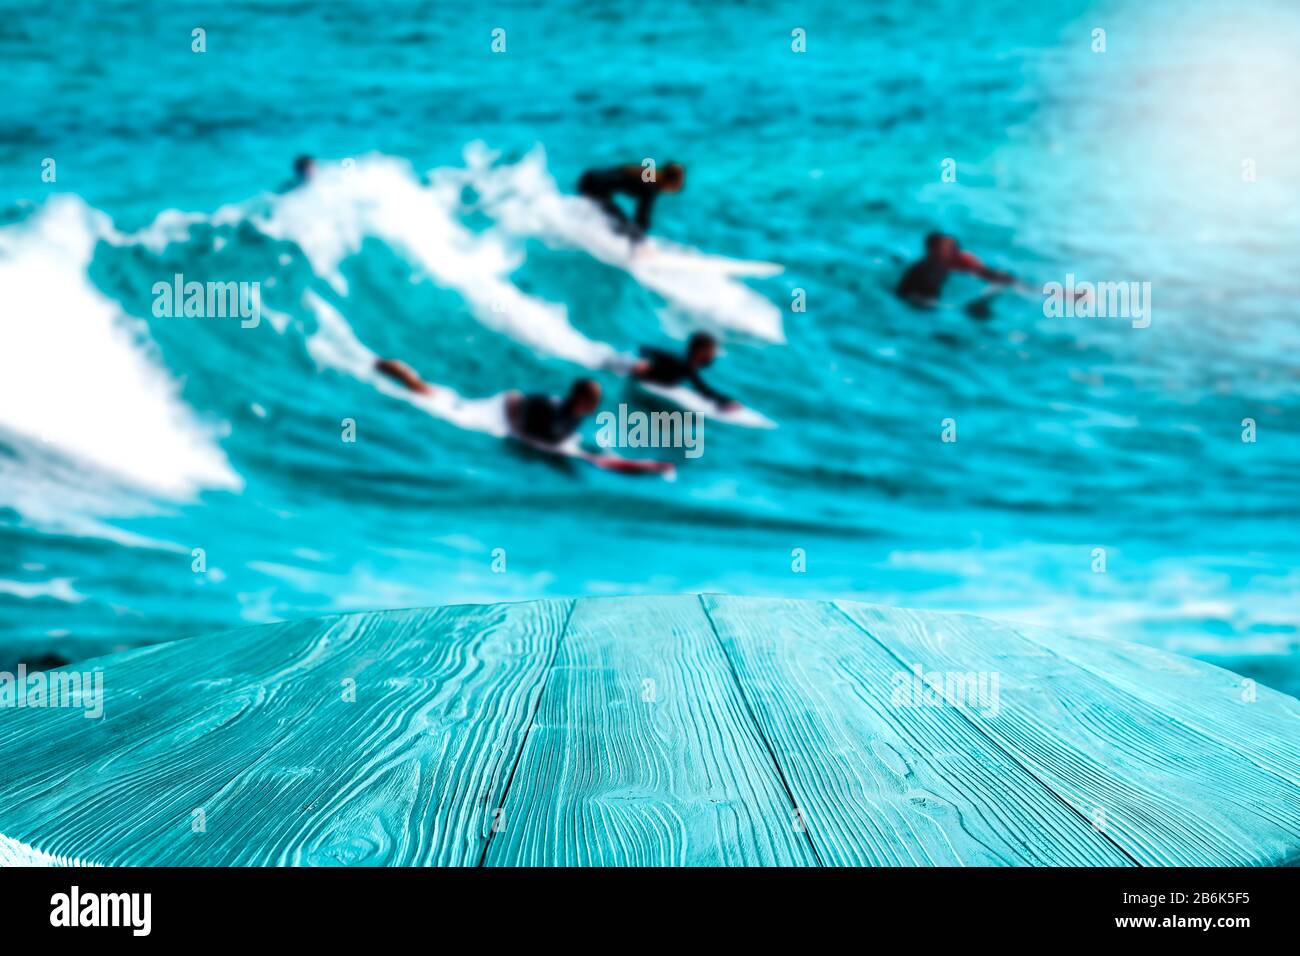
643 753
1162 791
651 731
1255 721
879 779
253 729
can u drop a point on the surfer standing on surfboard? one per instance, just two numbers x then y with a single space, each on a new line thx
923 281
601 185
664 368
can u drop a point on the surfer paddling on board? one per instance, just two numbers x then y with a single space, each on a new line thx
923 281
551 421
549 424
658 367
545 423
536 418
602 185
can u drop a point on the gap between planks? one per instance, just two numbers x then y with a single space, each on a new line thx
992 742
532 719
758 727
1223 740
735 678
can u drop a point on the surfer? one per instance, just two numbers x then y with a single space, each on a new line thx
664 368
544 422
304 168
601 185
923 281
403 373
536 417
550 421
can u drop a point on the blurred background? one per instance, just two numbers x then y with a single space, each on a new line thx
435 233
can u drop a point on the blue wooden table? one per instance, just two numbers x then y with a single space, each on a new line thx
661 730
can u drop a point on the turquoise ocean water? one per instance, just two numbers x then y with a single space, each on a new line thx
437 233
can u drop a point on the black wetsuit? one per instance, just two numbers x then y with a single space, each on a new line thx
923 280
601 185
669 369
545 419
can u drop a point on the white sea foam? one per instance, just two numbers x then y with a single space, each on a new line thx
335 345
79 375
380 197
524 200
82 377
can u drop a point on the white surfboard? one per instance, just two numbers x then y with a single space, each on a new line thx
571 447
653 255
689 400
525 201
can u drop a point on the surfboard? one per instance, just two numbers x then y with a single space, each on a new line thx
490 415
689 400
606 462
524 200
631 466
572 448
658 256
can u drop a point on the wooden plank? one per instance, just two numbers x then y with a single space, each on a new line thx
254 729
642 752
789 704
1165 793
1256 721
879 779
